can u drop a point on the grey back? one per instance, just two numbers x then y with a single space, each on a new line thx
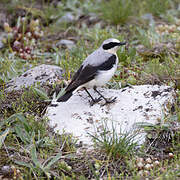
96 58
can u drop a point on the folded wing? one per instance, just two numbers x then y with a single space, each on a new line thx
85 74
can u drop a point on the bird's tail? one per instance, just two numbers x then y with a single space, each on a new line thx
65 97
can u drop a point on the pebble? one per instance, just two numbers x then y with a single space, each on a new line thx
148 166
65 42
156 163
171 155
6 170
148 160
140 165
67 18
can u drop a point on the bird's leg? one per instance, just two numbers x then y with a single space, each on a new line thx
94 100
107 100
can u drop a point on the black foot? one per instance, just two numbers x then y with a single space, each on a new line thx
96 100
53 105
109 100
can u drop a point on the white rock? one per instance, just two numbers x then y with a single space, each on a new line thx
65 42
145 103
41 74
67 18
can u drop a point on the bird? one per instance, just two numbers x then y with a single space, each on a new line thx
95 71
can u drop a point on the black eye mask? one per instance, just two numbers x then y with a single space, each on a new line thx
112 45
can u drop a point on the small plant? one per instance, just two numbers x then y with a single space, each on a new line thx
116 11
8 68
22 39
39 151
38 167
118 145
78 7
41 93
27 130
25 100
157 7
164 137
148 37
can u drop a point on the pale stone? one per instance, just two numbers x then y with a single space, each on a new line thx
136 104
42 74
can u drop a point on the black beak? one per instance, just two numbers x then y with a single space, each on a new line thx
122 43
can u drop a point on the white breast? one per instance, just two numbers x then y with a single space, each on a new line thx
104 76
101 78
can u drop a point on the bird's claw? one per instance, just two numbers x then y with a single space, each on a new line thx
109 100
96 100
53 105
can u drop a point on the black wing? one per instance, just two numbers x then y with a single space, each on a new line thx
107 65
86 74
82 76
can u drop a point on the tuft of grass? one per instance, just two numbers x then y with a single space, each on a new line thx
11 66
26 100
116 11
37 167
157 7
163 137
97 34
25 128
8 68
148 37
166 71
117 145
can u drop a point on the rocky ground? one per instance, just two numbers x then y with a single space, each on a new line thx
42 44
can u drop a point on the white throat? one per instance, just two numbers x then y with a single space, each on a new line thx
112 50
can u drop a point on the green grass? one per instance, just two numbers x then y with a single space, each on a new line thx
116 11
157 8
8 68
30 146
123 12
30 136
117 144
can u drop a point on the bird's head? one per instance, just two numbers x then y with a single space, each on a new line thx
111 45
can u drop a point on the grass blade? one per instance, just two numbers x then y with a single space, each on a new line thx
23 164
23 135
3 136
61 93
53 160
34 157
41 93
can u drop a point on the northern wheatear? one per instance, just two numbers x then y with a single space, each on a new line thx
96 70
